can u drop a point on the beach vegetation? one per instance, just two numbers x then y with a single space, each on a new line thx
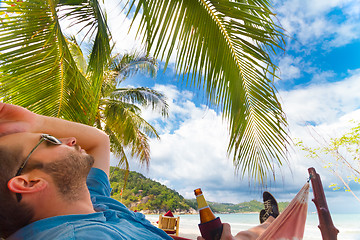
252 206
339 155
142 193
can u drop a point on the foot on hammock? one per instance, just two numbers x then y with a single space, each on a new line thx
271 207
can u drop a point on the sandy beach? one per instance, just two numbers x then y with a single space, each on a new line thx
348 224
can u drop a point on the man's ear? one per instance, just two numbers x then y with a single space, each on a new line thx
22 184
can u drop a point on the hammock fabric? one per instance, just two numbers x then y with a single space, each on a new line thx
290 224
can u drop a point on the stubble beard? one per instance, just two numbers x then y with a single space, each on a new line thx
69 174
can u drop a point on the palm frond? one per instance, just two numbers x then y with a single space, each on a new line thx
77 54
143 96
129 128
225 47
90 15
37 69
127 120
118 150
129 64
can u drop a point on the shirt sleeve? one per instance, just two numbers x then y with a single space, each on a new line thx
98 183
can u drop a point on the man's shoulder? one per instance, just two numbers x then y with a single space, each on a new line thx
59 225
98 183
67 227
100 225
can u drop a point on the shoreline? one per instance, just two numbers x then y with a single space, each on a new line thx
346 223
152 212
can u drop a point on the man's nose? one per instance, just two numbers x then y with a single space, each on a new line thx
70 141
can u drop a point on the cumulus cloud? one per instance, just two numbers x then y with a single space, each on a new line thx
193 144
310 22
323 77
322 102
289 68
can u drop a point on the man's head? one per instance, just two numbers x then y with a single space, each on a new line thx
61 167
13 215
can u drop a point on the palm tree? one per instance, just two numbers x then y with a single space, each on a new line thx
118 112
225 47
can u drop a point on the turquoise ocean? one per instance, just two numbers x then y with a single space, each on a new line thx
348 224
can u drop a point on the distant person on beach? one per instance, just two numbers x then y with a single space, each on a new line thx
58 187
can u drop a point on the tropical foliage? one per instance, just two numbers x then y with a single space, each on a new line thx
243 207
224 47
340 155
118 113
143 193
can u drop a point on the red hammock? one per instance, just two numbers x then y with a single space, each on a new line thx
290 224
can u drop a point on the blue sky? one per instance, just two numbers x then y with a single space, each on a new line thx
319 85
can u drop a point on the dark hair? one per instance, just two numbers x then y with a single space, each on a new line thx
13 215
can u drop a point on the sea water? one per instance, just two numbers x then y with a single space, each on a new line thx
348 224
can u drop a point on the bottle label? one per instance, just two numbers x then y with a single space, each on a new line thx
201 202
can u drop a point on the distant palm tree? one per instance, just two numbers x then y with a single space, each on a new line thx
118 112
223 47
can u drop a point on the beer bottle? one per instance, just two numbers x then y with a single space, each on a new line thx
210 226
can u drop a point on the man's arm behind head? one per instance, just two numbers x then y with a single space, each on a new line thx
94 141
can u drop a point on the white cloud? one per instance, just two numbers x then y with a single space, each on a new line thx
309 21
322 77
324 102
289 68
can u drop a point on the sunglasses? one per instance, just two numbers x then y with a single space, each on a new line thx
44 137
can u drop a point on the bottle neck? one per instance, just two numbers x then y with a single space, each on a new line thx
202 204
205 212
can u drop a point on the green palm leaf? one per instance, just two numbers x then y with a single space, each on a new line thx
36 64
90 16
224 46
126 125
144 97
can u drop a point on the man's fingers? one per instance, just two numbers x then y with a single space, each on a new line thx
226 233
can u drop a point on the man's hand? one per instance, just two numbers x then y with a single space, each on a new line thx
226 233
15 119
